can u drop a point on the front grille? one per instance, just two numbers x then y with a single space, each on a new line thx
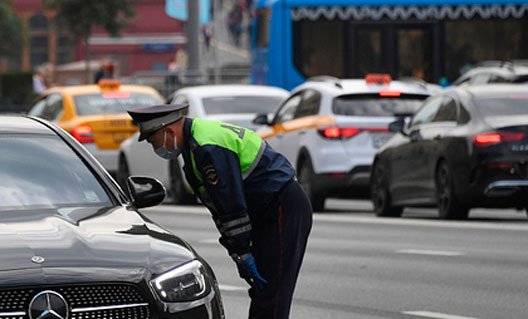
103 301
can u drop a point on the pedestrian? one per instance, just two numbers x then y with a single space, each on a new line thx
106 71
39 83
207 33
263 215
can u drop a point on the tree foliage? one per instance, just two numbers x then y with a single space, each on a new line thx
11 37
80 16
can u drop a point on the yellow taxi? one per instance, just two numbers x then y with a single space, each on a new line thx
95 115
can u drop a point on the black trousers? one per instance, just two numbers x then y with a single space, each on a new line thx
278 246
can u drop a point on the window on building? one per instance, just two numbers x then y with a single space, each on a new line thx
318 47
38 39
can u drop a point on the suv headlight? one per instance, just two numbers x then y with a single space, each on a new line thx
185 283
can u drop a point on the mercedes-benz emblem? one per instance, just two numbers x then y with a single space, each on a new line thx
37 259
48 305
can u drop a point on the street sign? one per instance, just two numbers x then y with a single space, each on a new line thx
177 9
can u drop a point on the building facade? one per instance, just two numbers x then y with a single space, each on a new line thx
148 43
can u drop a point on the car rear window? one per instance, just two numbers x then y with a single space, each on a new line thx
376 105
43 172
113 102
503 106
241 104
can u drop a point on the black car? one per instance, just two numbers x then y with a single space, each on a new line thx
466 147
514 71
72 244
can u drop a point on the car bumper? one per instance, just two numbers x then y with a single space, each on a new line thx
355 183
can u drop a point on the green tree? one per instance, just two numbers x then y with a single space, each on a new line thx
10 30
80 16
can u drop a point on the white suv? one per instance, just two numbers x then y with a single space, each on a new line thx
330 130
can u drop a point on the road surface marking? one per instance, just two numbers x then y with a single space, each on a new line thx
231 288
429 252
340 218
436 315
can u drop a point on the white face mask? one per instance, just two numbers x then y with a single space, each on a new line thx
163 152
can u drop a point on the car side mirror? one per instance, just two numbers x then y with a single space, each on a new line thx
397 126
145 191
261 119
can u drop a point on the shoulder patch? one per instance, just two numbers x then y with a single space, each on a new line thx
210 175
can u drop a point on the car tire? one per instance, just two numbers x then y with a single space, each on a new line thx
380 194
449 207
306 176
123 172
178 193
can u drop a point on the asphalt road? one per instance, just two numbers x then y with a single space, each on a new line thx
360 266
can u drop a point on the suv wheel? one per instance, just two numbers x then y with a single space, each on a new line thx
380 194
306 179
449 206
178 192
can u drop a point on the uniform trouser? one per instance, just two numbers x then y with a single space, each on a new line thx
278 247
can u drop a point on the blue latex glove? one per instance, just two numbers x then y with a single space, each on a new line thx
247 269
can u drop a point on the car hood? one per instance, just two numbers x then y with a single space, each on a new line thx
242 120
86 243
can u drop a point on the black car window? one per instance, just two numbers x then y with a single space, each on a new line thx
43 172
38 108
53 109
427 112
310 103
376 105
288 109
463 116
447 112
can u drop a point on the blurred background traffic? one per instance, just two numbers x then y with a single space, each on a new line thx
327 83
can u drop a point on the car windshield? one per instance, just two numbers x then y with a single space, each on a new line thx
503 106
43 172
241 104
376 105
113 102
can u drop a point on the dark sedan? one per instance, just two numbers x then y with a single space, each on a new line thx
72 244
466 147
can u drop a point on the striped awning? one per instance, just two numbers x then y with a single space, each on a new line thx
403 13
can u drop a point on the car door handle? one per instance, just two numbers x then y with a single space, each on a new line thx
280 135
437 137
302 132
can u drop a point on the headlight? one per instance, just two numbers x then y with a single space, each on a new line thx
184 283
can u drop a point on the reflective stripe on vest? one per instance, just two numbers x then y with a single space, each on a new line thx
248 146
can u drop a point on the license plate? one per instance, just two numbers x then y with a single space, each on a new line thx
379 139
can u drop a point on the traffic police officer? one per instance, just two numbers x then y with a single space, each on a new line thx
262 213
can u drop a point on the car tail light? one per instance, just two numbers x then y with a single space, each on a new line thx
387 93
83 134
336 132
486 139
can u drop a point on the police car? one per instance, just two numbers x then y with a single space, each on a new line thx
330 129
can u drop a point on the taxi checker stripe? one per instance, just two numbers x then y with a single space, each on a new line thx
238 231
235 222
